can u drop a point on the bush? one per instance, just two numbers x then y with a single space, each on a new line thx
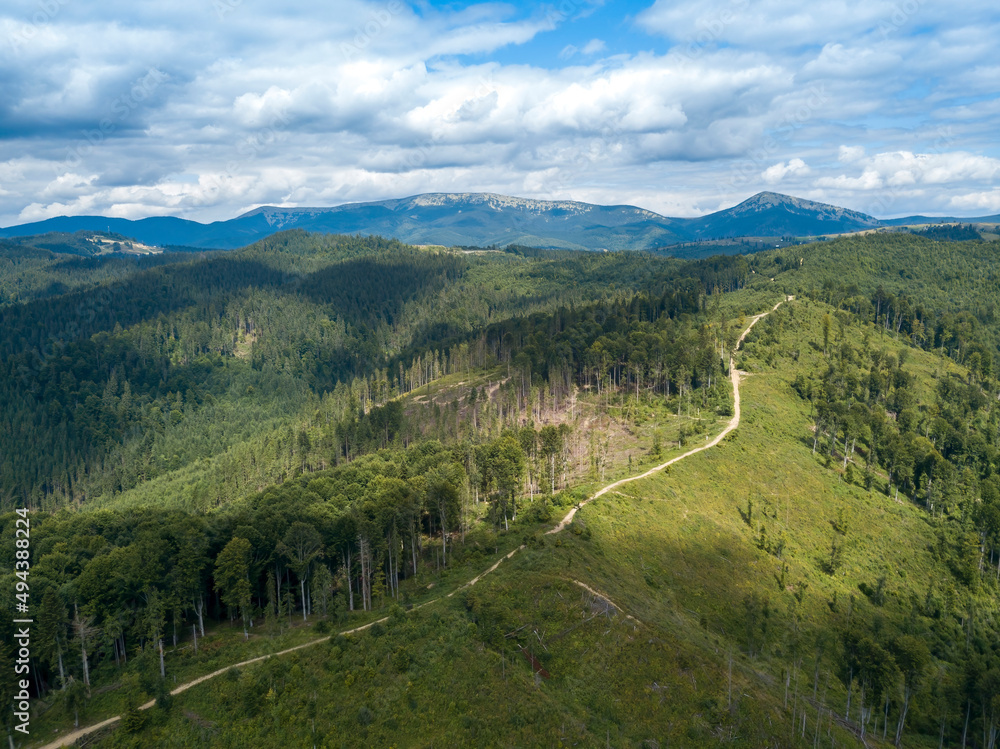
163 697
401 660
397 615
133 720
539 511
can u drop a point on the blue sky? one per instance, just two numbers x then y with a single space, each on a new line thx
207 109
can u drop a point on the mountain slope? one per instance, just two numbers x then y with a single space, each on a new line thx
157 230
770 214
436 218
920 220
484 219
742 628
836 553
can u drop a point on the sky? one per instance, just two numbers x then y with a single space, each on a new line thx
208 109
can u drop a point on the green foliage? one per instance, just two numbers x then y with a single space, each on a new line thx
232 576
192 380
253 436
950 233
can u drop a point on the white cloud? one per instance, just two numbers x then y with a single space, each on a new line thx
837 61
478 107
67 186
775 174
987 200
772 22
789 24
850 154
869 180
568 51
367 100
254 110
895 183
900 168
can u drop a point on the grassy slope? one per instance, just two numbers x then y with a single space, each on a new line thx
673 551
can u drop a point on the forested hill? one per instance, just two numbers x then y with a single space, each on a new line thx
121 380
942 295
225 456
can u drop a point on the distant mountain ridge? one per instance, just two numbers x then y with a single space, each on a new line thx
486 219
770 214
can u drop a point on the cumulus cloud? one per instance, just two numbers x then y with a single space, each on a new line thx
204 110
850 154
869 180
790 24
903 168
895 183
987 200
840 61
775 174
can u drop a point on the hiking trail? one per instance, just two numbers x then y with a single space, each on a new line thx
734 375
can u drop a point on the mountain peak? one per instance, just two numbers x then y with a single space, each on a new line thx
771 197
766 201
775 215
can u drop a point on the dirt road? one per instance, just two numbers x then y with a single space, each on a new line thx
734 375
734 422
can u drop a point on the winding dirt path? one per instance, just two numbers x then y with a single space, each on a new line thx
734 375
69 738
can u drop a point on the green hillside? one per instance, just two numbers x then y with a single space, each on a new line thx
826 575
704 583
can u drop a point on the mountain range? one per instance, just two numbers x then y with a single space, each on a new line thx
483 219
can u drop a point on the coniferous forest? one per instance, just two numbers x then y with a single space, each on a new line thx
327 441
